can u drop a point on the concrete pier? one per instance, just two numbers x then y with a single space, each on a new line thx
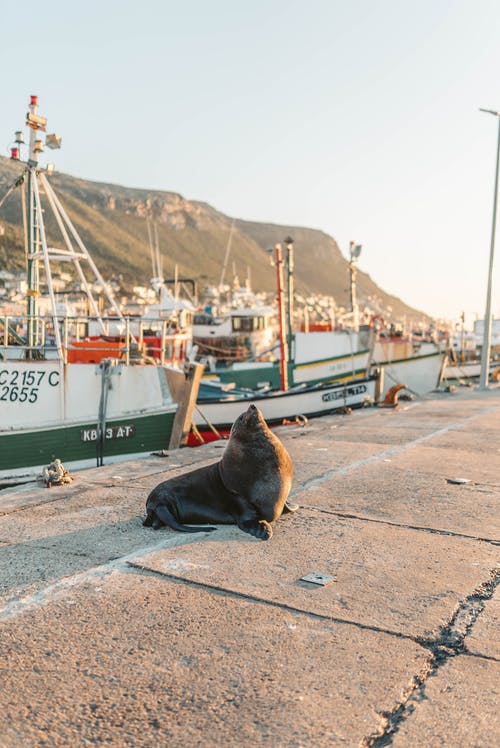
113 634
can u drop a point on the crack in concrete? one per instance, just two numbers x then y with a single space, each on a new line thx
141 568
434 645
402 525
479 656
449 643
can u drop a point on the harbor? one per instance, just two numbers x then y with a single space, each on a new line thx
77 384
370 618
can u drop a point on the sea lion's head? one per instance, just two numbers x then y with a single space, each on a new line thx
256 466
250 421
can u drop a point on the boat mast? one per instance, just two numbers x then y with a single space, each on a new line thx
36 240
281 319
35 123
226 257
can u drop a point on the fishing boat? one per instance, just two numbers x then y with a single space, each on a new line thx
234 325
417 364
243 329
348 357
70 387
464 367
327 355
219 405
343 355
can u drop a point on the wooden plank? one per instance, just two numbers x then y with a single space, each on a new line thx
184 387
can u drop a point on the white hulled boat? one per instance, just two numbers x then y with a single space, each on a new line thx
64 393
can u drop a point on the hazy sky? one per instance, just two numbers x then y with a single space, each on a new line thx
357 117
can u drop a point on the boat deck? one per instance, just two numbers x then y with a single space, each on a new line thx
114 633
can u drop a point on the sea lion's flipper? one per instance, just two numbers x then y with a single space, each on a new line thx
259 528
289 507
151 520
167 518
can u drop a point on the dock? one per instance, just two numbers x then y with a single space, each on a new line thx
114 634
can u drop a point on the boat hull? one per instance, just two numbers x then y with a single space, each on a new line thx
278 407
51 410
467 371
340 368
417 365
420 372
27 451
335 369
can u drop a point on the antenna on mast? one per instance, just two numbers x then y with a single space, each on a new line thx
226 258
159 262
151 249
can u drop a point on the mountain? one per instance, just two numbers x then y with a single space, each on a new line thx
192 235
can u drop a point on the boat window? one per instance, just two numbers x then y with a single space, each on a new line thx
245 324
203 319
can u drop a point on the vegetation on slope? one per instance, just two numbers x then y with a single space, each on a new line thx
192 236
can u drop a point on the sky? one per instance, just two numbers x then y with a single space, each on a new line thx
359 118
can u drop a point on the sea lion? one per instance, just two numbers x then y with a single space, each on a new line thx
248 487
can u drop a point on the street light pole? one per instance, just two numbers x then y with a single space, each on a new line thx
284 355
485 351
290 267
354 252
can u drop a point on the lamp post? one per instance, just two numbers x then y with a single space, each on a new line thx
290 267
485 351
283 338
354 251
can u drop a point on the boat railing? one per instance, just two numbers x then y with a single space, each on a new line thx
89 339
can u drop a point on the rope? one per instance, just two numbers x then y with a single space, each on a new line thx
17 183
396 381
210 426
234 350
197 434
55 474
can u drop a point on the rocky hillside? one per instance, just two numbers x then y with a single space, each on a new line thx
112 222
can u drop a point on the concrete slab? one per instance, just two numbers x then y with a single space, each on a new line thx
484 637
324 455
134 660
458 707
486 447
382 434
386 577
124 472
451 463
112 494
223 644
413 497
57 542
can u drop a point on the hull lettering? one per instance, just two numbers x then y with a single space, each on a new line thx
344 393
112 432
